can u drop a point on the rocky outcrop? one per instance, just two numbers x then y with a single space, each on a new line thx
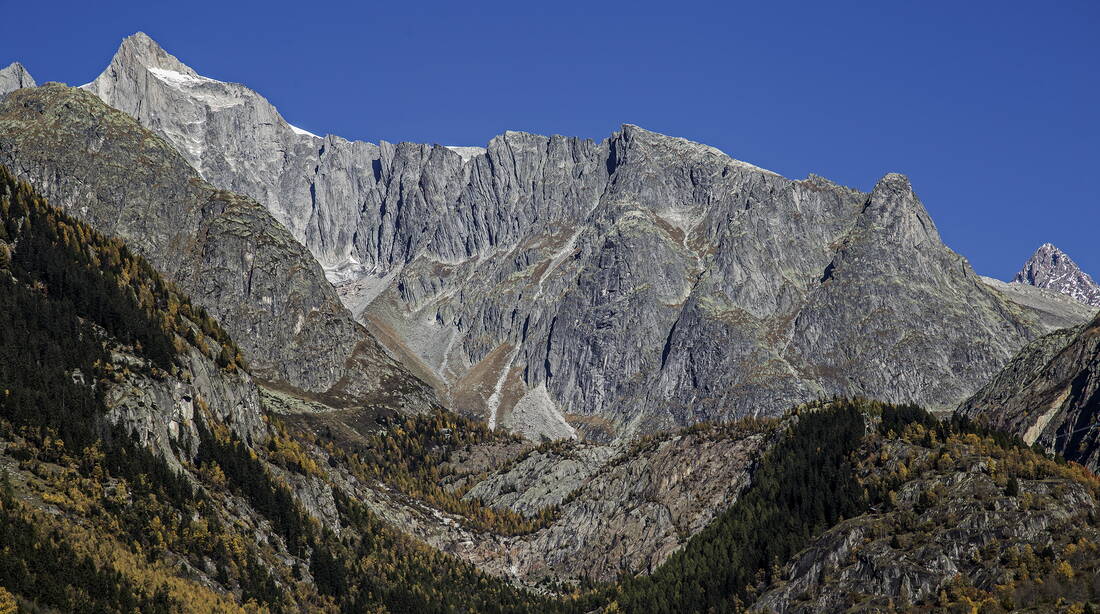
14 77
555 284
1049 394
619 509
164 412
1050 267
543 478
223 249
634 511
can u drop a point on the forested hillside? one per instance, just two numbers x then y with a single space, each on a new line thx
804 486
70 297
95 522
853 507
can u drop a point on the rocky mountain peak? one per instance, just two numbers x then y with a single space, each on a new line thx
893 207
14 77
1050 267
140 50
201 118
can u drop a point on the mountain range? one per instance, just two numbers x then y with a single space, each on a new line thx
497 276
548 374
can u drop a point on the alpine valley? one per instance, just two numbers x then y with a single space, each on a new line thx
246 368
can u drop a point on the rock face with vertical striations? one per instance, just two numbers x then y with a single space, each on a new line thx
554 285
1050 267
233 137
1049 394
14 77
225 250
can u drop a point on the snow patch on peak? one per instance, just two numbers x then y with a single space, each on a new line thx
218 94
467 153
211 92
301 132
173 77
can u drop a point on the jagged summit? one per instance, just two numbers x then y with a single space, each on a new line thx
894 208
125 85
14 77
170 97
139 56
1050 267
139 48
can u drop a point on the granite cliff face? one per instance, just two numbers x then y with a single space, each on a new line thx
1050 267
223 249
554 284
1049 394
163 412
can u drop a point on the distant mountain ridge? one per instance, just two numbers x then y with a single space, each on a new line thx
1050 267
1055 309
555 285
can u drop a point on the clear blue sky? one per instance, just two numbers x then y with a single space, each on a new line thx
990 107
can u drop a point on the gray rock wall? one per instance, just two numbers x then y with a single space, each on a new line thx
224 250
645 281
164 412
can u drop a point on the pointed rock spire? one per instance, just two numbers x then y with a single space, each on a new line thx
140 50
137 58
14 77
894 208
1050 267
